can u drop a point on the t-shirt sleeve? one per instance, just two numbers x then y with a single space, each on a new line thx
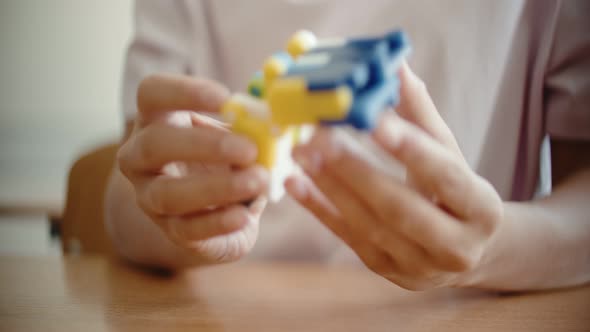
160 43
567 88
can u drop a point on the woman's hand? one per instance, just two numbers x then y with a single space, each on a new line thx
429 231
189 172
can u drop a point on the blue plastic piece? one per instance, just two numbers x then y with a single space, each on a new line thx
283 57
348 64
367 106
355 75
255 91
368 66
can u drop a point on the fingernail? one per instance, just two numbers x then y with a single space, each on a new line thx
330 144
236 147
258 205
405 67
390 134
248 182
297 189
233 219
212 96
310 161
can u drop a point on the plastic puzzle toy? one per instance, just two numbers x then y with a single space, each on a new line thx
316 82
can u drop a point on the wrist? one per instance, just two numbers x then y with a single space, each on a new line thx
483 273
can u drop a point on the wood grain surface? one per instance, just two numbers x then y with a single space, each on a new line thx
98 294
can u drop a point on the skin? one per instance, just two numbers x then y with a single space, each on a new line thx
443 226
157 212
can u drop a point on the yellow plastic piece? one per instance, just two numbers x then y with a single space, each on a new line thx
301 43
288 105
272 69
292 104
261 131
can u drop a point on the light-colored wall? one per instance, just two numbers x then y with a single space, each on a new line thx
60 68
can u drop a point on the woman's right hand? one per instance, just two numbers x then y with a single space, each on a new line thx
190 173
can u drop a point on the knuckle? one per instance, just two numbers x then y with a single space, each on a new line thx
155 198
451 179
144 204
378 237
228 188
406 223
123 158
410 284
208 94
146 147
463 261
145 88
409 265
492 212
408 149
384 203
393 206
376 263
417 271
424 282
378 267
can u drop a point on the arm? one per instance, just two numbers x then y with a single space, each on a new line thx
133 235
544 243
147 225
557 228
446 226
177 205
132 232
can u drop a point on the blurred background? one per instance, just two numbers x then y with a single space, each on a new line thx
60 69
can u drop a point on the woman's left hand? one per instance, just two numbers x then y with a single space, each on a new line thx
431 230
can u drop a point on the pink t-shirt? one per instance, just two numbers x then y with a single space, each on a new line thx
504 74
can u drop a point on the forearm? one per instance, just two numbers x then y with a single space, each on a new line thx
541 244
134 235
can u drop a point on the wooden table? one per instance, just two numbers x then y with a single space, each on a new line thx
96 294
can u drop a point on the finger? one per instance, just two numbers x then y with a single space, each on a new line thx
417 106
166 92
258 205
440 171
309 196
398 206
158 144
353 215
368 231
215 223
167 195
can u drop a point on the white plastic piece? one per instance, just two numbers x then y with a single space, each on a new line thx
305 133
284 164
283 168
331 42
307 37
318 59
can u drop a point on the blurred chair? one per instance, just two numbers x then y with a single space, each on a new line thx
82 227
